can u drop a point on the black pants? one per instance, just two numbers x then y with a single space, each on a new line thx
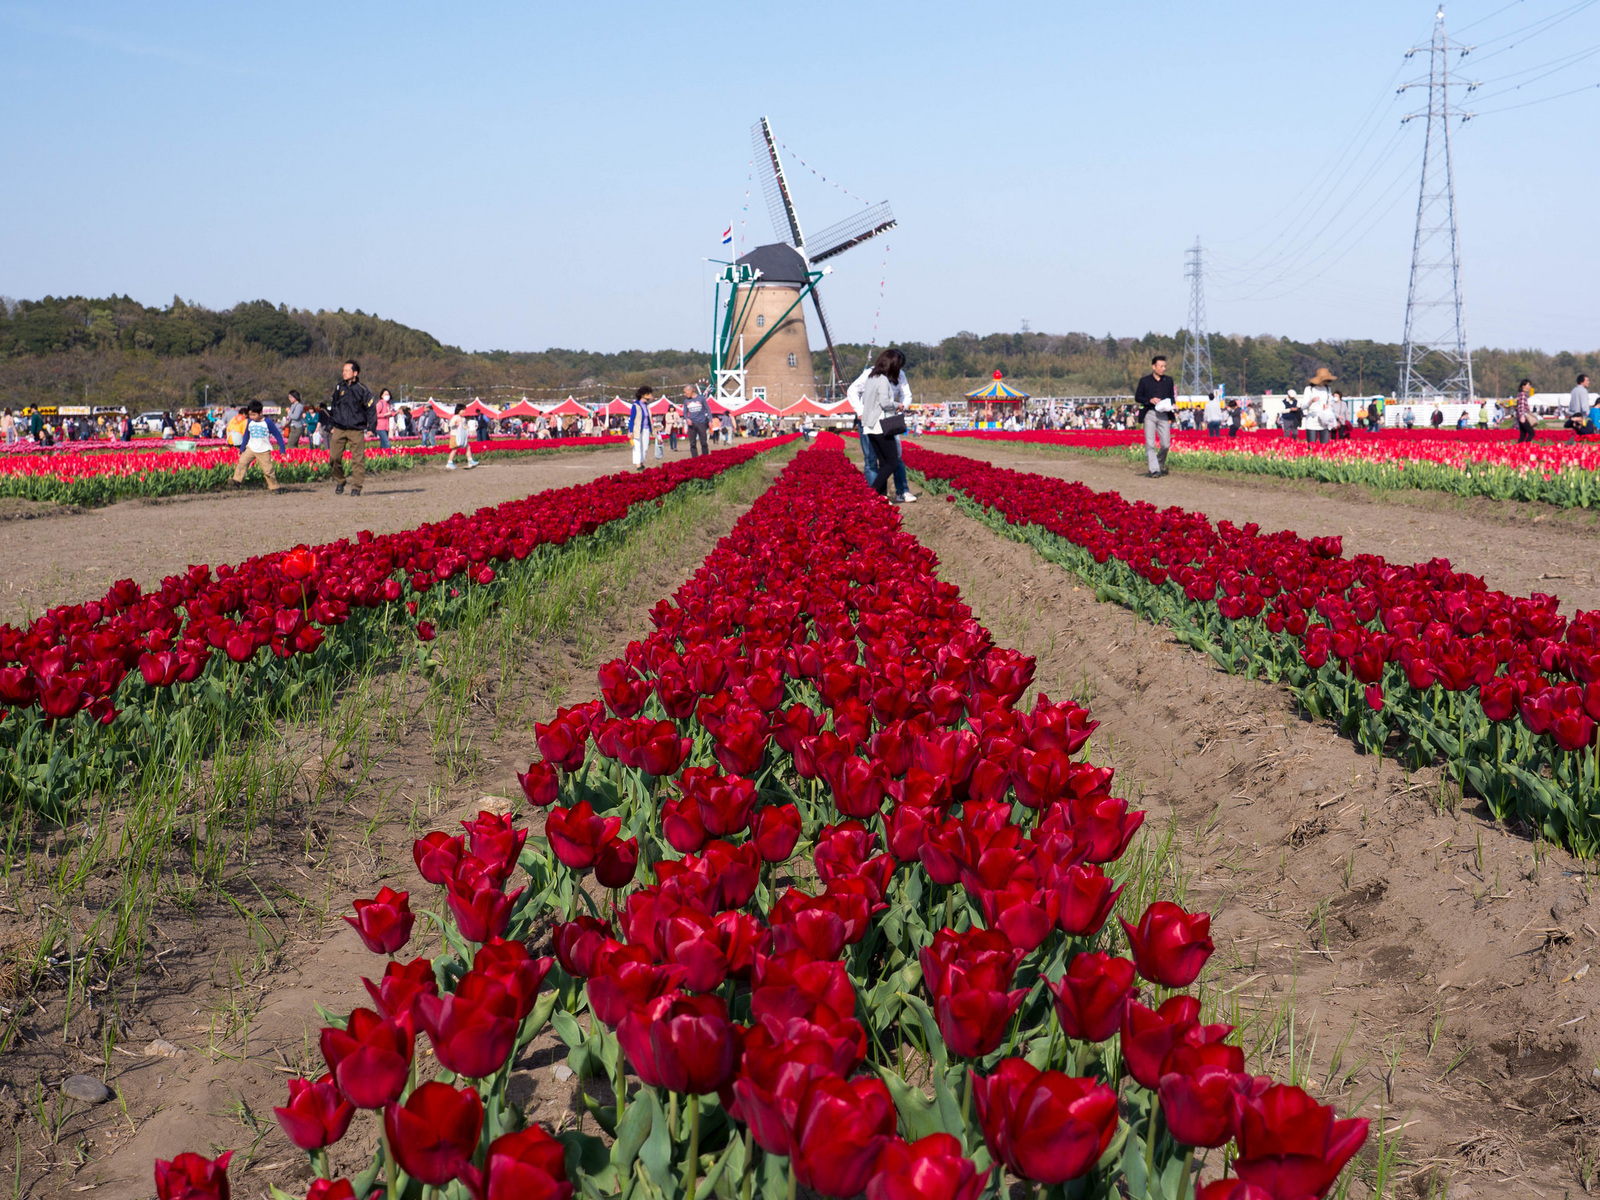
697 433
888 452
1524 431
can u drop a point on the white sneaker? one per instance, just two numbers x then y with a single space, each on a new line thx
449 466
907 498
470 465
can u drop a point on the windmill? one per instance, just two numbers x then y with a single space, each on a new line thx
761 326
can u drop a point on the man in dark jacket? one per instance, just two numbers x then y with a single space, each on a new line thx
352 414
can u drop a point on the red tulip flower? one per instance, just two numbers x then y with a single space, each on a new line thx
577 941
563 741
1092 997
370 1058
385 921
317 1114
841 1127
1232 1188
682 824
930 1169
299 563
495 843
779 1060
1198 1089
1084 899
510 964
741 744
724 801
973 1008
425 631
1045 1126
617 862
435 1133
1289 1145
1149 1037
681 1043
541 785
473 1029
394 994
193 1177
619 985
775 830
331 1189
437 855
528 1165
1170 945
576 834
480 908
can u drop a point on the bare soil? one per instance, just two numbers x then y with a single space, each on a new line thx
1434 963
235 998
1515 546
66 555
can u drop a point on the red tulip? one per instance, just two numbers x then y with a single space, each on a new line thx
619 985
1289 1145
528 1165
1045 1126
930 1169
1093 996
435 1133
509 964
1232 1189
797 985
385 921
840 1130
495 843
370 1058
480 908
681 1043
541 785
617 862
437 855
1149 1037
192 1176
473 1029
393 995
724 801
1170 945
775 830
577 941
299 563
576 834
1197 1090
425 631
741 744
331 1189
779 1060
317 1114
563 741
682 825
973 1008
1084 899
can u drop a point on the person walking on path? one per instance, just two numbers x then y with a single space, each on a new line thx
296 417
382 417
697 414
1213 416
429 427
639 425
1578 405
259 434
869 455
458 440
351 416
1235 418
1157 397
1525 429
883 403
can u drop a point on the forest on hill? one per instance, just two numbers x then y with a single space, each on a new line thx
116 351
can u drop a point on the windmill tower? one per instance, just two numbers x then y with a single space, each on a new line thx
761 325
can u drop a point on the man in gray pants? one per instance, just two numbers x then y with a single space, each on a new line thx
697 415
1157 397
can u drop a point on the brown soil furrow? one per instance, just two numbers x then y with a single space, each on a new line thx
1409 935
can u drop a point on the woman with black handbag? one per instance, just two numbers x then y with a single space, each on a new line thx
883 398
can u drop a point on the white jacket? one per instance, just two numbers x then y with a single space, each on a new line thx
900 393
1318 409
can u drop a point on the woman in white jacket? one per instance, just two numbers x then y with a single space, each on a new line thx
900 390
884 396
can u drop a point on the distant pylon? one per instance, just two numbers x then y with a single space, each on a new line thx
1197 354
1436 363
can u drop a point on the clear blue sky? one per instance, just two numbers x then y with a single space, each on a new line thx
521 176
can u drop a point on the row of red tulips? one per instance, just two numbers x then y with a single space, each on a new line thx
88 689
1466 463
835 855
73 477
1415 660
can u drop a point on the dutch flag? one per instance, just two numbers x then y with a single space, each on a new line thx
727 236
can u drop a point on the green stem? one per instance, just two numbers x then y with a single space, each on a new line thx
691 1175
622 1084
1183 1180
966 1107
1150 1148
749 1160
391 1184
791 1179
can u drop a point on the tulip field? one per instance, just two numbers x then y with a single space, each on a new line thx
832 910
69 476
1555 469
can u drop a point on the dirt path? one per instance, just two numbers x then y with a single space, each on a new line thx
73 556
1425 955
1516 547
239 1000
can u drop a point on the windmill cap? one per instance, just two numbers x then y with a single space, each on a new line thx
1322 376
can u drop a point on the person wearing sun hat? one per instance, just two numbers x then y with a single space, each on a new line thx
1318 405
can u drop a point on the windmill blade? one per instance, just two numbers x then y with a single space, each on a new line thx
852 231
827 336
780 206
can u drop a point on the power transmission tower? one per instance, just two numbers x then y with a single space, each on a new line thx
1436 363
1197 354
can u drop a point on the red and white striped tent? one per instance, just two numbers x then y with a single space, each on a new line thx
524 409
805 406
618 407
479 409
567 408
661 407
757 405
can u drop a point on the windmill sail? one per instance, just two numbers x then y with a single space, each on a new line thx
827 336
785 222
852 231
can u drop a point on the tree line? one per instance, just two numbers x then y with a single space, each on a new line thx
117 351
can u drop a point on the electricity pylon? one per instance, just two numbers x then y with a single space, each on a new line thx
1436 363
1197 354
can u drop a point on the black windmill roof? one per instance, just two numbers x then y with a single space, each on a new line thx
778 263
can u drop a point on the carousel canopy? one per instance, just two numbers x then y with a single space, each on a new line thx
997 391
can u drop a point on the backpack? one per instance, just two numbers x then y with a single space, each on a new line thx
237 428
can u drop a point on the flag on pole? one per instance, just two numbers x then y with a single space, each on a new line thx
727 236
